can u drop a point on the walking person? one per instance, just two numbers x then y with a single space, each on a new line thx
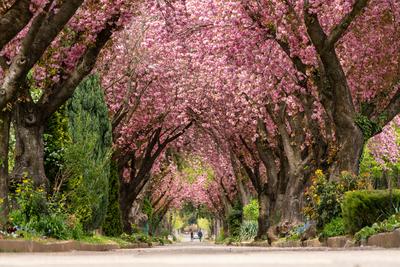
200 234
191 235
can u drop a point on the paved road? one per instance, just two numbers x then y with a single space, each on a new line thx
196 254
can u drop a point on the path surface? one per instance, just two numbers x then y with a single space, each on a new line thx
196 254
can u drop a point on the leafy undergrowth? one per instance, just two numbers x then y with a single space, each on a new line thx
123 241
334 228
388 225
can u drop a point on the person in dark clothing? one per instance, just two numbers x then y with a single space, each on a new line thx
200 235
191 235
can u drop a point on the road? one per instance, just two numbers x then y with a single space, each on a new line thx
196 254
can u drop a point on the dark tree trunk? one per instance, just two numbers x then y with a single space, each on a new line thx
127 197
4 144
29 149
263 216
129 192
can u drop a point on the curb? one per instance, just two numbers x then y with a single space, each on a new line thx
383 240
60 246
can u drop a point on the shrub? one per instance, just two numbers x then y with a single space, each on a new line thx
333 228
364 208
87 157
36 215
248 230
323 197
388 225
136 238
235 222
250 211
112 225
56 138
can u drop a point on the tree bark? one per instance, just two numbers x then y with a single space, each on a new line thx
29 149
14 20
335 92
44 29
4 145
128 194
263 216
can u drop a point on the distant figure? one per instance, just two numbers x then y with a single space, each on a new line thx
200 235
191 235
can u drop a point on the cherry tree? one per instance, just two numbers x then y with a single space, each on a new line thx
301 67
144 92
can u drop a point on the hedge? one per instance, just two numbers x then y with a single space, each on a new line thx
363 208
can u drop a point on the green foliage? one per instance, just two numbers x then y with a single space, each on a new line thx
112 225
368 127
248 230
144 238
296 232
364 208
250 211
235 218
388 225
376 172
56 138
220 237
204 224
333 228
136 238
153 219
87 157
323 197
177 221
11 149
36 215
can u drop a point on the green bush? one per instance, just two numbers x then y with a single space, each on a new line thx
112 225
388 225
323 197
248 230
234 222
334 228
140 238
56 138
36 215
87 157
364 208
250 211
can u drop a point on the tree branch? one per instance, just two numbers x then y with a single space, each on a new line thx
340 29
14 20
314 28
44 30
389 112
65 89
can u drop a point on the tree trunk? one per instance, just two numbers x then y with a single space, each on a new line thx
126 199
225 227
129 193
243 192
263 216
29 148
4 144
350 148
